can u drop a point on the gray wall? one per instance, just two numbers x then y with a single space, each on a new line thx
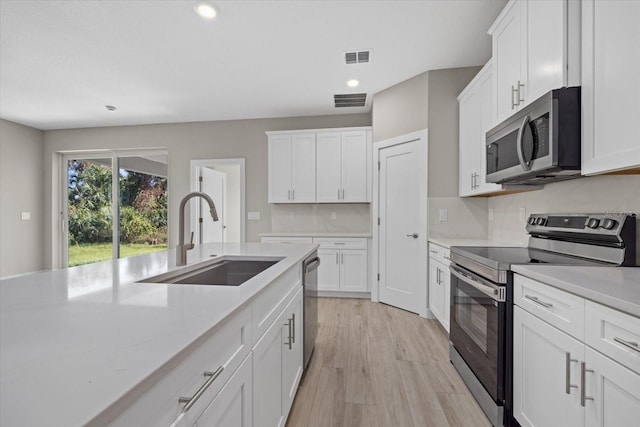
21 190
187 141
400 109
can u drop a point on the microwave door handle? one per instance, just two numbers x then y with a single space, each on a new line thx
520 145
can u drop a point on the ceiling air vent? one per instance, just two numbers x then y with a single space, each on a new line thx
350 100
357 57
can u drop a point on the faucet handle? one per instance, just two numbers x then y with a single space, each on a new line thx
190 244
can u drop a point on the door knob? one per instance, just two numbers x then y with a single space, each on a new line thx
414 235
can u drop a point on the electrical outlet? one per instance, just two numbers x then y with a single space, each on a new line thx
443 215
334 215
25 216
522 214
253 216
490 214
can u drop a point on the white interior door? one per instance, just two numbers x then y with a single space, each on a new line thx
400 234
214 184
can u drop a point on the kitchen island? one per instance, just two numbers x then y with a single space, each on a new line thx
79 346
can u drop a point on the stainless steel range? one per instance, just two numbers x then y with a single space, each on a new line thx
482 294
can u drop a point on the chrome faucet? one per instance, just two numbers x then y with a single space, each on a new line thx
182 248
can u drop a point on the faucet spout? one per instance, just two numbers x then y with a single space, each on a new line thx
182 247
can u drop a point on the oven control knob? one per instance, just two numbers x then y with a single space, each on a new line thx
593 223
532 220
608 223
540 221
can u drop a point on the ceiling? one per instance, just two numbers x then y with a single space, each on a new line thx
61 62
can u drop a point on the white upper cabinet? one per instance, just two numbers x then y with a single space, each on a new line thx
340 160
343 167
292 168
476 117
610 86
536 48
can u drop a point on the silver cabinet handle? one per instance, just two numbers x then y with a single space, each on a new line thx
513 92
537 301
288 194
520 93
433 251
289 342
446 257
583 391
340 243
568 385
341 257
472 181
293 194
190 401
337 257
414 235
293 333
631 344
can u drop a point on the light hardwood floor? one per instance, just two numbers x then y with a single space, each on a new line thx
379 366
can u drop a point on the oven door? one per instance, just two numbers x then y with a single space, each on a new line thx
478 317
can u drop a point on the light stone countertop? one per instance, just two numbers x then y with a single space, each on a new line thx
448 242
616 287
316 234
74 342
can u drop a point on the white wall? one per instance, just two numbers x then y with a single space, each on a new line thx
184 142
21 190
597 194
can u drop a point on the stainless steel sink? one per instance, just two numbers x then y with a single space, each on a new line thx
220 273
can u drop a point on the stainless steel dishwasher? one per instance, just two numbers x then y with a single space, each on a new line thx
310 290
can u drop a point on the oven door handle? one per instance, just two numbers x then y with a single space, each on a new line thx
496 293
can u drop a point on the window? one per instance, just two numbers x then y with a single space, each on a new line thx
97 229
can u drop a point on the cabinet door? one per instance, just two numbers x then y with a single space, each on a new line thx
267 377
546 27
292 357
303 168
328 173
507 54
545 363
233 405
469 140
353 270
610 86
436 291
615 391
329 270
487 108
279 168
354 166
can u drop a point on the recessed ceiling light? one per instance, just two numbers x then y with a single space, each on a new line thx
110 108
353 83
205 9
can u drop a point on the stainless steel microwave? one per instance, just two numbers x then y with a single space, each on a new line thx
538 144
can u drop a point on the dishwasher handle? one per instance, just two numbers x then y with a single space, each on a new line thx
311 264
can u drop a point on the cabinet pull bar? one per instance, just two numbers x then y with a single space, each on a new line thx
341 257
293 333
288 194
513 102
190 401
631 344
583 391
338 194
293 194
432 251
520 93
537 301
568 385
336 257
288 343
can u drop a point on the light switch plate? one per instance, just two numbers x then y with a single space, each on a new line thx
443 215
25 216
253 216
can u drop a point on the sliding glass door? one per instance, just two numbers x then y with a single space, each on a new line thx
97 229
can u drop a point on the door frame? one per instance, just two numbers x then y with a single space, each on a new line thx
194 167
421 137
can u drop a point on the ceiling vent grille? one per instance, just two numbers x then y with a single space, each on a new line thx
350 100
357 57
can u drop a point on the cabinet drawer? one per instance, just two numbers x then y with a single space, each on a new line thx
563 310
440 253
613 333
268 305
226 347
286 240
341 243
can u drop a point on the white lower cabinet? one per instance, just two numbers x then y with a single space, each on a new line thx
277 367
439 284
561 380
343 264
